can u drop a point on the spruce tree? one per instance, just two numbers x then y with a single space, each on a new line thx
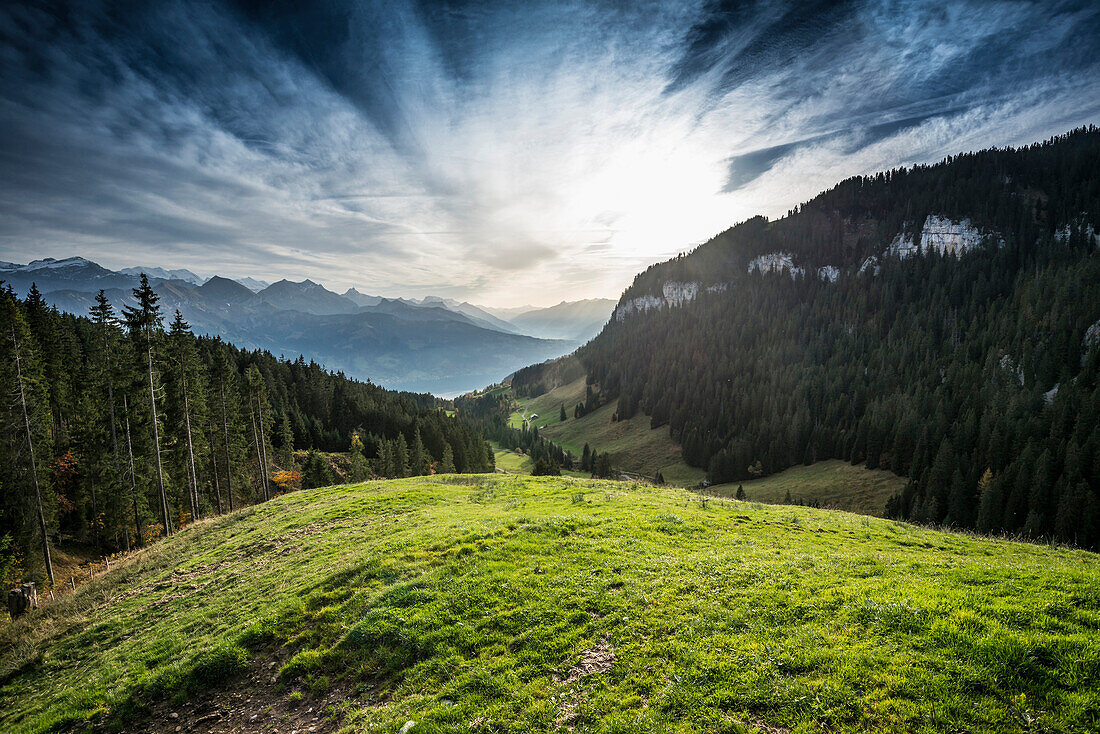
225 377
144 322
285 455
419 459
106 322
255 384
184 376
401 456
358 468
447 463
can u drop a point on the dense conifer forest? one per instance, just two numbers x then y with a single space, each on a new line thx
117 430
975 375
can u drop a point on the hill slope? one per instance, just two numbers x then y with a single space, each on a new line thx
515 604
941 321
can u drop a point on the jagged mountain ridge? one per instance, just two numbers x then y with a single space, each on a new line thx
163 274
572 321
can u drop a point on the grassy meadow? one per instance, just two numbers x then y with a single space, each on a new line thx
511 462
833 484
516 604
633 445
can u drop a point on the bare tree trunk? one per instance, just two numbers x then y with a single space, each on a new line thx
34 467
228 460
133 477
263 444
111 406
214 471
194 480
156 440
256 440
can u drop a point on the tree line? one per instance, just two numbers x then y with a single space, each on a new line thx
118 429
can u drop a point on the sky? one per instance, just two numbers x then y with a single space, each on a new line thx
503 153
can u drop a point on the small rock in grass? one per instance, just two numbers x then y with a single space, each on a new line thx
407 727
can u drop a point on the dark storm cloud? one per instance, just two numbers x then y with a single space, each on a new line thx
742 38
401 146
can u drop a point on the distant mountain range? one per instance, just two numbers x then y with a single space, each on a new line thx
430 344
577 320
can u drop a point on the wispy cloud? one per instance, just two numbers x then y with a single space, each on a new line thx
492 151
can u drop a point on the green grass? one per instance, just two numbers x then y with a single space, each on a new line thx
835 484
512 462
633 445
516 463
459 600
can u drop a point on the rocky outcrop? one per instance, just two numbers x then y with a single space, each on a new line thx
673 293
828 273
870 265
941 235
1091 341
775 262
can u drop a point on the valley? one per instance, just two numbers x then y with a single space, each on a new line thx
633 445
637 449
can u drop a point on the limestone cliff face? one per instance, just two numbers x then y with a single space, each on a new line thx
774 262
938 234
673 293
941 235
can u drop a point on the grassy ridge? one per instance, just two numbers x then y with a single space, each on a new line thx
508 603
633 445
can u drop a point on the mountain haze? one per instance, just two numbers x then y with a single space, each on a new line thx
579 320
307 297
430 344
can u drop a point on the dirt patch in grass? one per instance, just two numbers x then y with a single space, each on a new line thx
594 660
254 701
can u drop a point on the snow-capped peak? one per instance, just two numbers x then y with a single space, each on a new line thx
49 263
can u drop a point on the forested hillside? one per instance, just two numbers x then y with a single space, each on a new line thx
940 321
117 430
